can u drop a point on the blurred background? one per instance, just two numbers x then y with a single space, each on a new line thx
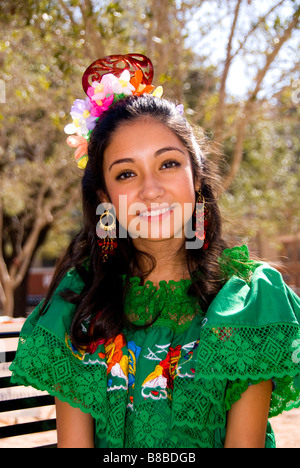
234 64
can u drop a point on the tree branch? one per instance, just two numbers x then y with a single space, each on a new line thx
271 57
255 26
219 120
21 263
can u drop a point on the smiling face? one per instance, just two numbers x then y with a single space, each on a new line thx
149 180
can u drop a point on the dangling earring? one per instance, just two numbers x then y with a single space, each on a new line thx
107 242
201 220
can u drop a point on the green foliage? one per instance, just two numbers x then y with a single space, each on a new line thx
263 197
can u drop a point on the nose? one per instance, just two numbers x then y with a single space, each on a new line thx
151 189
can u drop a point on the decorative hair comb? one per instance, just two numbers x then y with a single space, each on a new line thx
105 82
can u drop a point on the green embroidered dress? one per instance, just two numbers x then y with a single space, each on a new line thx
171 384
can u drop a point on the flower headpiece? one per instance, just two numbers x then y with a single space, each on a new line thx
105 82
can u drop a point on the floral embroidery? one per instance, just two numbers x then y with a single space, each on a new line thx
119 371
92 347
162 378
77 352
80 353
188 363
134 352
113 351
174 355
155 385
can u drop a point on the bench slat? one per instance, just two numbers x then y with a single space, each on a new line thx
9 356
24 403
9 334
27 428
6 383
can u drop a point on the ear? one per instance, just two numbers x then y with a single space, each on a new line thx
198 184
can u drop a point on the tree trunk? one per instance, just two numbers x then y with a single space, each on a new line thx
20 298
8 306
20 293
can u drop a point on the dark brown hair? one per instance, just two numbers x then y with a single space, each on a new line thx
102 296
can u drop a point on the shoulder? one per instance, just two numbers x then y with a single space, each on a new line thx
250 331
58 313
254 292
47 360
72 281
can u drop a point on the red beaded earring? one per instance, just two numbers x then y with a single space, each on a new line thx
107 233
201 220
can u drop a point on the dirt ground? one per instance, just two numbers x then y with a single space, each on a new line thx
286 427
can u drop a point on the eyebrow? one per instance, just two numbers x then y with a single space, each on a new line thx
156 154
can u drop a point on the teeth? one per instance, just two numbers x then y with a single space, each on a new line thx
155 212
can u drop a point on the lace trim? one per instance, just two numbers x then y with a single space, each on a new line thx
45 362
145 303
252 354
227 361
171 286
247 351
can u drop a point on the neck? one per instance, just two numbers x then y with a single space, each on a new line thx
170 259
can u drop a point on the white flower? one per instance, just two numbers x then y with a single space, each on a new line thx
119 85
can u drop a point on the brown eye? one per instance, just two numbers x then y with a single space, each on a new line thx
125 175
170 164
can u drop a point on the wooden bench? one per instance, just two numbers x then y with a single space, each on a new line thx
24 405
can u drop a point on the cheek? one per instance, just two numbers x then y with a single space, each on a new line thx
188 198
114 192
124 205
187 187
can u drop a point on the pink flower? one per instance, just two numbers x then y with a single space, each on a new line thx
97 110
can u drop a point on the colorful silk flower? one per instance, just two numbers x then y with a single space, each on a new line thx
101 95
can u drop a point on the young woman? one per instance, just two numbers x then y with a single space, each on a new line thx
154 333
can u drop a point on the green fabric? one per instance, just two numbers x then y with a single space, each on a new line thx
170 385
